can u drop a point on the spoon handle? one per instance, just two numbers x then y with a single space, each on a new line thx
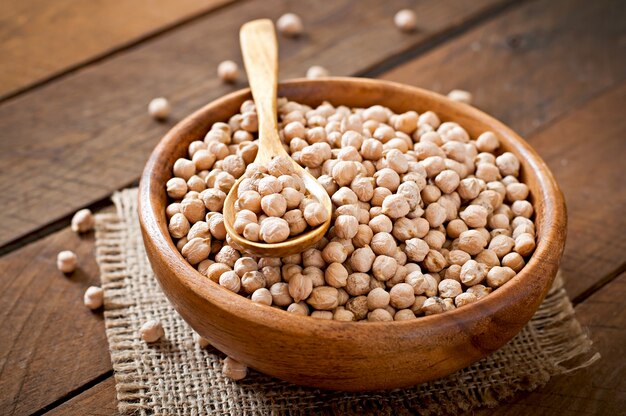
260 56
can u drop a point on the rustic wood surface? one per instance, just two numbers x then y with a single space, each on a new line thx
551 70
55 135
78 32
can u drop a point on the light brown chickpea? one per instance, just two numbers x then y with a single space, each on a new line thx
449 288
363 236
472 273
344 196
465 299
434 261
383 244
513 260
252 281
497 276
323 298
487 257
363 187
480 291
244 265
501 245
472 242
334 252
384 268
362 259
435 214
524 244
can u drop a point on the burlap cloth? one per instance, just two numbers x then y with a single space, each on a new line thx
176 377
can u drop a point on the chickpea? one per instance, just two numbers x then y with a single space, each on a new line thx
524 244
290 24
472 273
387 178
159 108
514 261
497 276
274 205
401 296
406 20
346 226
384 267
274 230
475 216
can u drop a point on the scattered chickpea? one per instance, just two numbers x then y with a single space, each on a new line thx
234 370
66 261
290 24
151 331
405 20
461 96
159 108
83 221
201 341
317 71
94 297
228 71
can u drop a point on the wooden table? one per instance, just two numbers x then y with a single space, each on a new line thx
76 78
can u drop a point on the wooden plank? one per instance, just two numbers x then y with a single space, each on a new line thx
97 350
77 31
532 64
99 400
578 60
599 389
74 141
586 151
51 343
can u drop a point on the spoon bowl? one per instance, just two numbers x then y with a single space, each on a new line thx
260 54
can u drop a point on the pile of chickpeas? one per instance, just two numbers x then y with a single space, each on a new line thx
272 203
425 218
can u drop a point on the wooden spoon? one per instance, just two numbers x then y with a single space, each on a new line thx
260 55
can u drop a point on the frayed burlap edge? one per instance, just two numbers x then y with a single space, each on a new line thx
175 377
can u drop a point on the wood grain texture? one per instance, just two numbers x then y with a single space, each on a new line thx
586 151
99 400
259 49
596 390
76 140
529 68
51 343
40 38
357 357
533 63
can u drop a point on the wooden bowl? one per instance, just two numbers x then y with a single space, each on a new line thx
347 355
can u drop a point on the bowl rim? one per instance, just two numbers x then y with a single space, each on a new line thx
279 319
